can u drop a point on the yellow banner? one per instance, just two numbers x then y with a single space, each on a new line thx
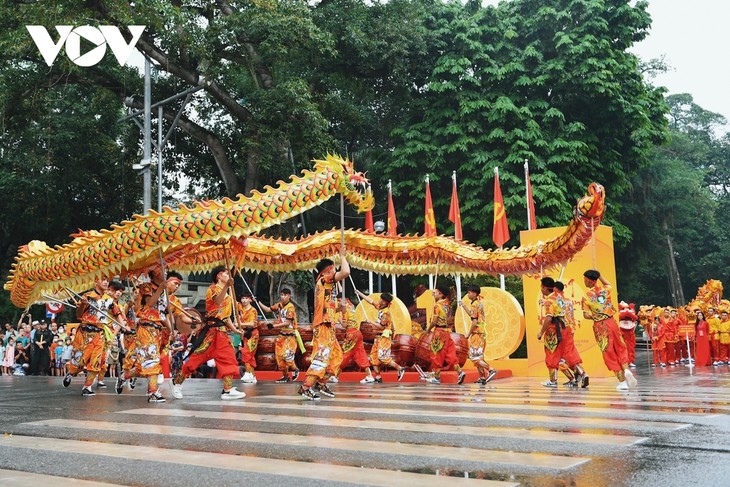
597 254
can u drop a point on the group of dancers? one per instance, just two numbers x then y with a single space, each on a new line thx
557 326
146 323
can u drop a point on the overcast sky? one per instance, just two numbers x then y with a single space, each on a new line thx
694 38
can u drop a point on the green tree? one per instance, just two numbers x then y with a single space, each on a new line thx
551 83
674 200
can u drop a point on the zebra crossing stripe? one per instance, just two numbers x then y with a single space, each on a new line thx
269 466
15 478
408 449
482 403
432 427
595 422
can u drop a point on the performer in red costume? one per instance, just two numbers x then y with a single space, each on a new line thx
443 350
572 360
627 322
215 343
597 306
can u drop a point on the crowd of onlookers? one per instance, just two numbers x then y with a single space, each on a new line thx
33 347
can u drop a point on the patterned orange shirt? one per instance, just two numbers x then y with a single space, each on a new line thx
215 310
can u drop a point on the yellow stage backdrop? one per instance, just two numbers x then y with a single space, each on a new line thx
572 276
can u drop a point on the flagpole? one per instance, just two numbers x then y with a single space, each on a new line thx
458 276
430 276
527 196
501 276
395 223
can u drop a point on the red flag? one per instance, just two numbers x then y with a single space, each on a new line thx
369 227
531 221
500 233
392 222
454 212
429 222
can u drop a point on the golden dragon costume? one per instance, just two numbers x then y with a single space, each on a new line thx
190 239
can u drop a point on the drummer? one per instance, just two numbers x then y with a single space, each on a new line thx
380 354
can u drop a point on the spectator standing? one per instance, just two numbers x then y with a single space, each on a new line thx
9 359
57 358
66 354
41 350
2 351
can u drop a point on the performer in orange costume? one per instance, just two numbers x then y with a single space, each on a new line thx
443 350
95 310
473 304
145 362
597 306
724 331
214 343
572 361
285 348
326 351
713 322
353 349
380 354
247 320
115 291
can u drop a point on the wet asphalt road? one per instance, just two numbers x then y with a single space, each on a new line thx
671 431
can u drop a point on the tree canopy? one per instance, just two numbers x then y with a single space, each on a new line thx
405 87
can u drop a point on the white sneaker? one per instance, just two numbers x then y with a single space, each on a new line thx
334 379
177 391
630 379
550 383
248 378
622 386
633 365
232 394
369 379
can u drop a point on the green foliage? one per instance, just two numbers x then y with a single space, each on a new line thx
564 95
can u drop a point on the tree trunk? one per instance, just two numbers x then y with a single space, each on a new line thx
675 282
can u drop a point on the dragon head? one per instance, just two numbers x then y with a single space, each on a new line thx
354 186
593 204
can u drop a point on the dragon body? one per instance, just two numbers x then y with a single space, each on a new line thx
138 243
204 235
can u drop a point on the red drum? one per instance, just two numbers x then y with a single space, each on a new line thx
404 349
185 328
461 344
266 344
265 361
304 360
370 330
340 332
265 331
305 330
423 349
